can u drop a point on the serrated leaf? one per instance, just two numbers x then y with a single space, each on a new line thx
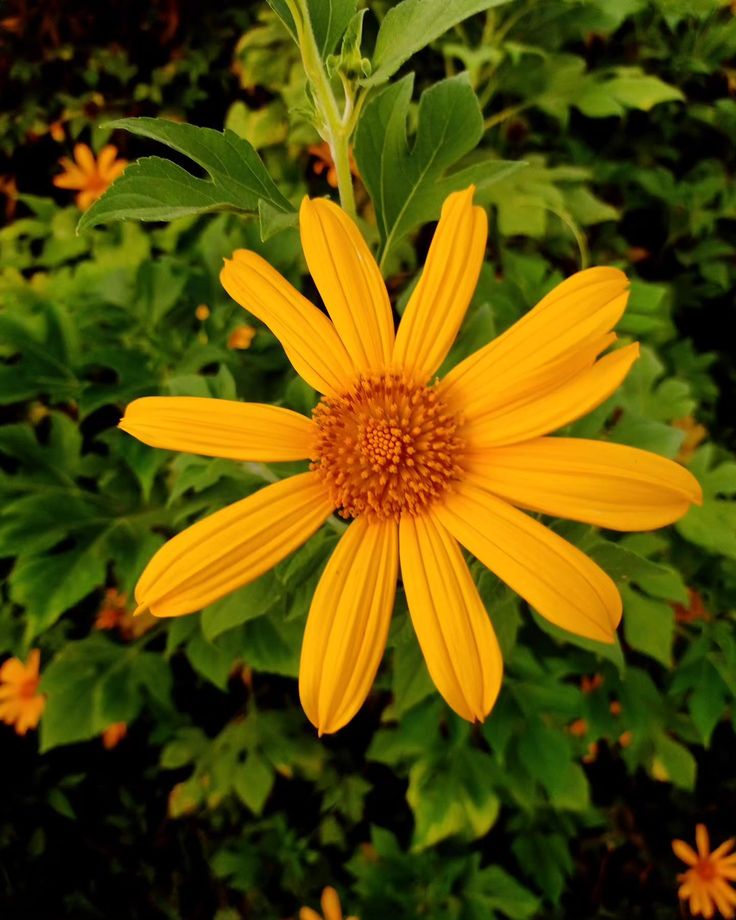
410 25
158 189
409 184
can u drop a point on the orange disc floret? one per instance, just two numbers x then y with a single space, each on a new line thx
387 447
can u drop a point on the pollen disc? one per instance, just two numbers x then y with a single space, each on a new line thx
387 447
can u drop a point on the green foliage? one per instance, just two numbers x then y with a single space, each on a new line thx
157 189
408 185
595 133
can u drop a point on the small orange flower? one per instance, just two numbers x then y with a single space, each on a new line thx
113 735
114 614
21 704
705 883
89 175
325 164
202 312
694 434
695 609
112 610
331 908
241 337
590 684
578 728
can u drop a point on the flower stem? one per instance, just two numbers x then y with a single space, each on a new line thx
335 127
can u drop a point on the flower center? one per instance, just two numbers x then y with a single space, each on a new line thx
705 869
27 689
387 447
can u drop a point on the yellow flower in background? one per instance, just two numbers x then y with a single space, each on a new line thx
705 884
90 176
21 705
420 467
331 908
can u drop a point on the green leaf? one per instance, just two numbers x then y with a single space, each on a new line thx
410 680
329 20
492 889
409 184
624 565
649 625
157 189
48 585
253 782
70 682
451 796
249 602
410 25
674 763
713 524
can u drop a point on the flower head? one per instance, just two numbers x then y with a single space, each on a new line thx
419 467
331 908
90 176
21 705
705 884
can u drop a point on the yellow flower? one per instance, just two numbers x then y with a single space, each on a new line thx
21 704
422 467
89 175
706 883
331 908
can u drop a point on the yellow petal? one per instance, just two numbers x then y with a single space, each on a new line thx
85 159
73 178
331 907
349 281
306 913
451 623
538 415
232 547
308 337
576 314
348 623
440 300
219 428
609 485
552 575
702 839
684 852
107 157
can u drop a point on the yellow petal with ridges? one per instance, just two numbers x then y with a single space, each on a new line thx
308 337
536 415
349 282
348 624
232 547
220 428
552 575
609 485
440 300
451 623
576 314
